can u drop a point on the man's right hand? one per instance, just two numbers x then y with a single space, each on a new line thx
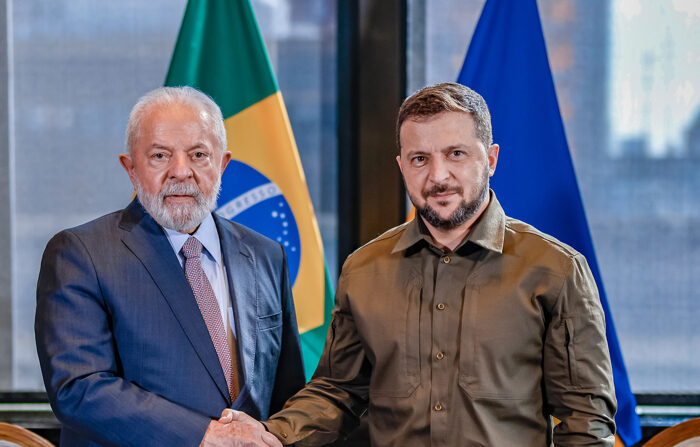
237 429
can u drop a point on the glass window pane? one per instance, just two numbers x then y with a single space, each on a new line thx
78 67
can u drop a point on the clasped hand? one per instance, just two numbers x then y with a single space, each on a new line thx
237 429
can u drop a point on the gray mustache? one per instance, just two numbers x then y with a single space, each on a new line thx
181 189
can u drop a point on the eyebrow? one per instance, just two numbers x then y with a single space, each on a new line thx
443 150
196 146
455 146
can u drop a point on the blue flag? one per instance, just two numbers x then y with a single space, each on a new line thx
535 181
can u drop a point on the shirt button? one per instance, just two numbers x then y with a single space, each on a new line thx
446 259
441 306
439 356
438 407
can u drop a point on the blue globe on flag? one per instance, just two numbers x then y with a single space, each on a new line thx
251 199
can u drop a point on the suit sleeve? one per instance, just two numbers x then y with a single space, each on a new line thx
81 367
332 402
290 369
577 371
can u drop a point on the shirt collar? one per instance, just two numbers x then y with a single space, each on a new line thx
206 234
414 233
488 231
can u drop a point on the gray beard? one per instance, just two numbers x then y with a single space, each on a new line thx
182 217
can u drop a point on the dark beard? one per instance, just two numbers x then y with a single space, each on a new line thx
463 213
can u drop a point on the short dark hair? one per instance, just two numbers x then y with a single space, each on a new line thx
447 97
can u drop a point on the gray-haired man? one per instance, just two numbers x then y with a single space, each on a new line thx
152 320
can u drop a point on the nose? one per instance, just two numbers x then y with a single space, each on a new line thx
180 167
439 172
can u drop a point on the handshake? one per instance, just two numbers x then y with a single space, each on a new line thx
237 429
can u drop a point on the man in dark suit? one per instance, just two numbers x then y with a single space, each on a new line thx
152 320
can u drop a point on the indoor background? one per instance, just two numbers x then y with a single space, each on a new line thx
627 77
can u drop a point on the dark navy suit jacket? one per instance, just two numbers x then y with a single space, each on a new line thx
125 353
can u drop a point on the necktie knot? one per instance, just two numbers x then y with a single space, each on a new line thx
192 248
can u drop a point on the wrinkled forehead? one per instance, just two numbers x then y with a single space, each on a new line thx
176 111
458 123
187 116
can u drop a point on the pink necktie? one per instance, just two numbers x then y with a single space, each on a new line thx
209 307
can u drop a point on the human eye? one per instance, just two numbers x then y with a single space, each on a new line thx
457 153
159 156
200 155
418 160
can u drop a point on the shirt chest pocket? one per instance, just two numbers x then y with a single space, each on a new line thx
389 328
500 345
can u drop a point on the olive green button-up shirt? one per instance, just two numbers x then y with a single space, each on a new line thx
476 347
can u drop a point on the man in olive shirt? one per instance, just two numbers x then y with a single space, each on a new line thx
463 327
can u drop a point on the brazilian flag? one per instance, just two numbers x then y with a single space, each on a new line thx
220 51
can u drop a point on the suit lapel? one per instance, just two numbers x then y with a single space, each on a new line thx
145 238
239 260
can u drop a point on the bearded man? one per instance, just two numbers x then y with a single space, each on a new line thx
462 327
152 320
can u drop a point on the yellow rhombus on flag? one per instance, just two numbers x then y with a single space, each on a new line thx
219 51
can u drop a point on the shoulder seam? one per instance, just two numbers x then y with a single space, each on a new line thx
567 249
392 232
72 233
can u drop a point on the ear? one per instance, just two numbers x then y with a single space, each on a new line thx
224 161
398 161
493 158
128 164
